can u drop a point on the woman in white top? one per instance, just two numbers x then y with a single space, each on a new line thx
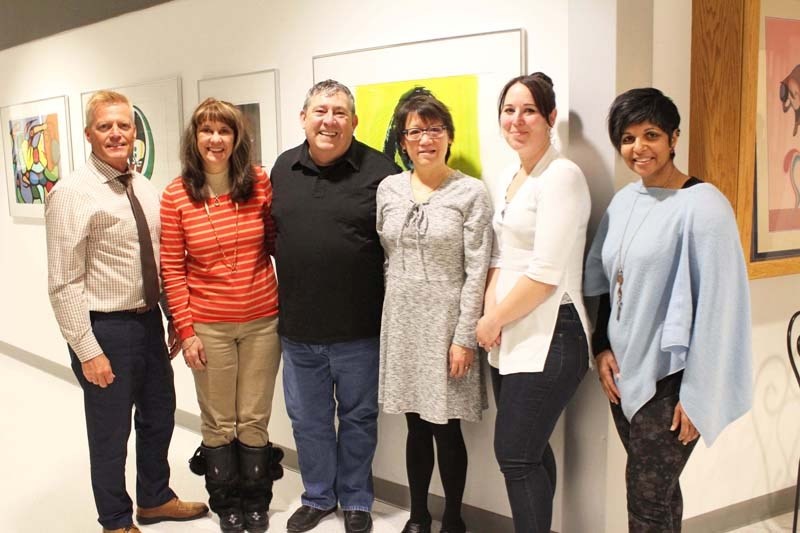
534 322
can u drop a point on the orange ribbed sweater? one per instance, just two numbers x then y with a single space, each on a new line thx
200 285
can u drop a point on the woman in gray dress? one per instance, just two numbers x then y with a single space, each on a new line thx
435 226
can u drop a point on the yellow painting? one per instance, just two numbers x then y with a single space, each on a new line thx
375 105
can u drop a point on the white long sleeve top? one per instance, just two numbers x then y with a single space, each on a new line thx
541 234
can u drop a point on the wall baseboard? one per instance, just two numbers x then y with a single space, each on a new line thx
718 521
743 513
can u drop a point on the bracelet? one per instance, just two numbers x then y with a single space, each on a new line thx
193 339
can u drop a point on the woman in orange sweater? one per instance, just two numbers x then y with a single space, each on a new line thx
217 236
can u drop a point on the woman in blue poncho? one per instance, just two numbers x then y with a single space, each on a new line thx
672 341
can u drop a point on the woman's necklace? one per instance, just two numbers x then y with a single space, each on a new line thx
621 257
231 265
216 197
621 264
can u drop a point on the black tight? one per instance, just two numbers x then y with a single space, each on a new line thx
452 455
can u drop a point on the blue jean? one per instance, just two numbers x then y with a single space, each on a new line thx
134 344
335 468
528 407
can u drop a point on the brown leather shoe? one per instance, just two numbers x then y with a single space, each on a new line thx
130 529
174 510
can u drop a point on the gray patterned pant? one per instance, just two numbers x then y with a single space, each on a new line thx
655 461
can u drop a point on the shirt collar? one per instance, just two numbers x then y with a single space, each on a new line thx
103 170
351 157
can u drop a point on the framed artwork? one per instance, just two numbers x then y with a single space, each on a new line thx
256 95
36 152
465 72
776 220
731 94
158 116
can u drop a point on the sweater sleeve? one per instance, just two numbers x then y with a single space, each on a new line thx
477 253
173 261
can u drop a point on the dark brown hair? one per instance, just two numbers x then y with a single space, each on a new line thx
541 87
240 167
421 101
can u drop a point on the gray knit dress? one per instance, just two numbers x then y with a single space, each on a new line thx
437 254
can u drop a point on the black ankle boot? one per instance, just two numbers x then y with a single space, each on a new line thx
258 467
222 484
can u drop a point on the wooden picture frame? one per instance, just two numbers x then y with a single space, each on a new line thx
724 88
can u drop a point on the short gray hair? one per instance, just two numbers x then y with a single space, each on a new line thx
329 88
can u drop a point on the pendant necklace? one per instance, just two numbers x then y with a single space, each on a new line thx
232 265
621 257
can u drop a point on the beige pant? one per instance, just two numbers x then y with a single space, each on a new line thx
235 389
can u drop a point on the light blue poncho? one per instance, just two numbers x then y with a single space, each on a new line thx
685 300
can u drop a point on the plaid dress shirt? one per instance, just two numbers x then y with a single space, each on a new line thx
93 249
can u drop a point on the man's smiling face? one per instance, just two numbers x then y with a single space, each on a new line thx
329 123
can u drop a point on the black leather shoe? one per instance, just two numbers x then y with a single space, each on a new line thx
357 522
416 527
306 518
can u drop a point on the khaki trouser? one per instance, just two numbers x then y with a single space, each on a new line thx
235 389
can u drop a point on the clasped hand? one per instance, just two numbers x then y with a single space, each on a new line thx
488 332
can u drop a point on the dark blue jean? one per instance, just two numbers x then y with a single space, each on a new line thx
319 379
528 407
134 344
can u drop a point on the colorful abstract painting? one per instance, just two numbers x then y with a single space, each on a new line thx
776 216
466 72
36 153
782 41
375 105
35 157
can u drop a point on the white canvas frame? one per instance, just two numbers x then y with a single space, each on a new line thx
495 57
162 103
253 87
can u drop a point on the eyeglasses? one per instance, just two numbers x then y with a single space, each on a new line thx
415 134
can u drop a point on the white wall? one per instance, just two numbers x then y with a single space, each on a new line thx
583 44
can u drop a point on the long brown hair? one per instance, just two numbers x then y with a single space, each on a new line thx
240 167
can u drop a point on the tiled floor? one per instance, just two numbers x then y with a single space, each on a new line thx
44 471
777 524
